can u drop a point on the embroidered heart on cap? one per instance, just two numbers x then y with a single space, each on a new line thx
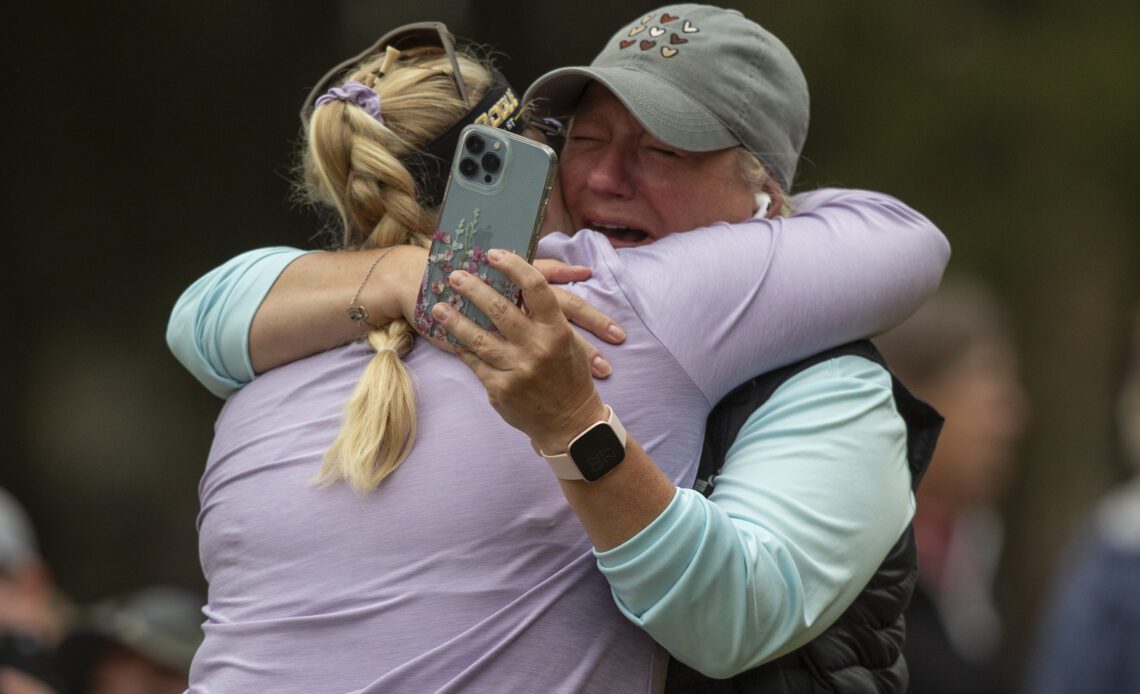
656 31
636 30
646 44
647 19
673 39
666 18
667 52
689 28
626 43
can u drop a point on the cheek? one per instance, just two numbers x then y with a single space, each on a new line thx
701 201
575 166
734 196
672 207
741 203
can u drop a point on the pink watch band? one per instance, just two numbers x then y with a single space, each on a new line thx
563 465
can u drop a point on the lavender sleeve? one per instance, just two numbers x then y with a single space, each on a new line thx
733 301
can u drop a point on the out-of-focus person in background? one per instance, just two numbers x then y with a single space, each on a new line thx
1090 634
957 353
31 615
139 644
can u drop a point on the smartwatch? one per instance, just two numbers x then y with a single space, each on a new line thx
593 453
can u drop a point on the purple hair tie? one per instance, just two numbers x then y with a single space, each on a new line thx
354 93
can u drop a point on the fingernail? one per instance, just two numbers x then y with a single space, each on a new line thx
601 366
495 254
616 332
456 278
441 310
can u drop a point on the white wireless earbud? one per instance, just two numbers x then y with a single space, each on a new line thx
763 204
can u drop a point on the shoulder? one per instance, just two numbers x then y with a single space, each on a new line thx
834 399
843 374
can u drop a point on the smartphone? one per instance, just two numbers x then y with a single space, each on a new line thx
496 197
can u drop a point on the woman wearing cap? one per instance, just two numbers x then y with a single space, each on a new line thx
465 568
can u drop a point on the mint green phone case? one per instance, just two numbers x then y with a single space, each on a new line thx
484 210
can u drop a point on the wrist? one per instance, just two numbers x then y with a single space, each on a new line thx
557 435
393 289
593 453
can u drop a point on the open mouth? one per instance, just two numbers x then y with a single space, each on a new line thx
620 236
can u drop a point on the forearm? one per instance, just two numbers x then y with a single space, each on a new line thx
621 504
852 265
304 312
878 262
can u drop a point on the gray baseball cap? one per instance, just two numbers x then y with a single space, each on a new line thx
17 539
699 78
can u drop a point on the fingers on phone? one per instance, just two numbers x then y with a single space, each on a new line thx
488 347
537 293
503 314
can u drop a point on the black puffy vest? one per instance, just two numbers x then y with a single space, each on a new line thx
861 653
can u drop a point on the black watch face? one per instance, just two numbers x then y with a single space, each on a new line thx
597 451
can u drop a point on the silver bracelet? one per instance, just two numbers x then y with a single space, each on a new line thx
356 312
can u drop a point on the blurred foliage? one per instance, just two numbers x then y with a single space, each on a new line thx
147 142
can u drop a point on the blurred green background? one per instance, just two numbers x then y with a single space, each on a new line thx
147 142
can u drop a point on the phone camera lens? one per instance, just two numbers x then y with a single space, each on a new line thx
492 162
475 144
468 167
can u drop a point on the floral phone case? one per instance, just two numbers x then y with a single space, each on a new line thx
496 198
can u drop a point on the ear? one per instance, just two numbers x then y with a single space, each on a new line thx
771 200
779 202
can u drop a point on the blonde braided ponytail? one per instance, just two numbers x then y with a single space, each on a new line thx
352 161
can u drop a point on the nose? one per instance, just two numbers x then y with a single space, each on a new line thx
610 174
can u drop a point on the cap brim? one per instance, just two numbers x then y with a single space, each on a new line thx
666 112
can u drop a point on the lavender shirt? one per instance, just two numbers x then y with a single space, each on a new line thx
465 570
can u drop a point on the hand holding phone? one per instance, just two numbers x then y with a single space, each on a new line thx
496 198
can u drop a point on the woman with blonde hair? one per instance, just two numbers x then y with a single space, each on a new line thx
465 569
360 161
